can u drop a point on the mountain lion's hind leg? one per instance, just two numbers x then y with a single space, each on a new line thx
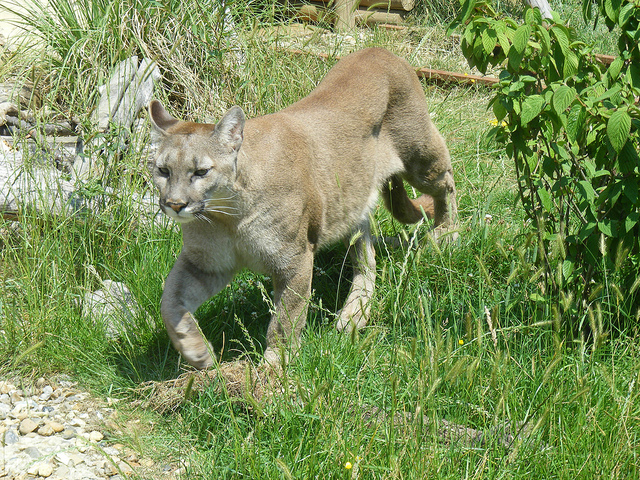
443 192
356 309
185 290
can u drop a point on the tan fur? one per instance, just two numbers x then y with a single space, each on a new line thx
266 194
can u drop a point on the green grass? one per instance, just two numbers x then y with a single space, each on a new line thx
429 351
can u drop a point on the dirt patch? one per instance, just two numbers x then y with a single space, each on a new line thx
240 380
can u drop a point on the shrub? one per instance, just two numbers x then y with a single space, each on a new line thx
570 122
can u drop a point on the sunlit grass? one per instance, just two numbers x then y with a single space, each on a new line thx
375 400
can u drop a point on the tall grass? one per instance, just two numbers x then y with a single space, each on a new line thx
376 400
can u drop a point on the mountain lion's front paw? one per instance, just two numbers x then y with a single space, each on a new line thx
201 357
275 357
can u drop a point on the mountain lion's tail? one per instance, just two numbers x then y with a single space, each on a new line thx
404 209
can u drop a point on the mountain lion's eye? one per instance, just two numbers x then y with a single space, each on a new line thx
201 173
163 171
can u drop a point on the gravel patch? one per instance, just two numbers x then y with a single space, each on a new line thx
53 430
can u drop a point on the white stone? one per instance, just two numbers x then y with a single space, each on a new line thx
27 426
6 387
45 470
47 391
77 422
57 427
46 430
114 306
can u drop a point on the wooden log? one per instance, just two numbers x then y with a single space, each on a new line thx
111 94
45 191
129 89
316 12
405 5
605 59
345 12
374 17
543 5
443 76
440 76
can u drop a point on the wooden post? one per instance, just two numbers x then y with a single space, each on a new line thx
373 17
345 11
543 5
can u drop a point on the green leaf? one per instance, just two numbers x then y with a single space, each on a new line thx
545 199
587 190
630 189
467 10
567 268
570 65
612 9
562 98
536 297
607 226
614 69
561 37
608 9
521 38
619 128
631 221
516 86
545 40
503 40
489 41
608 93
499 110
575 121
469 34
589 167
531 108
516 52
625 14
633 75
628 159
532 16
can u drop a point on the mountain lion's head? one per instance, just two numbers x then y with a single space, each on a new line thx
195 165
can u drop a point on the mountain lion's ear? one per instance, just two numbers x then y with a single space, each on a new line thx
230 128
161 120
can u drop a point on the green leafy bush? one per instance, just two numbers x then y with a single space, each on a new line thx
570 121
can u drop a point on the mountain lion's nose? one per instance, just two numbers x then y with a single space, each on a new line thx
176 206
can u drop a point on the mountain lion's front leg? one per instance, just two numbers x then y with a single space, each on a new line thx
292 289
355 312
187 287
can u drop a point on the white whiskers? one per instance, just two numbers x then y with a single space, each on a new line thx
217 205
204 218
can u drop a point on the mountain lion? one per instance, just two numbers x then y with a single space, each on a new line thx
267 193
